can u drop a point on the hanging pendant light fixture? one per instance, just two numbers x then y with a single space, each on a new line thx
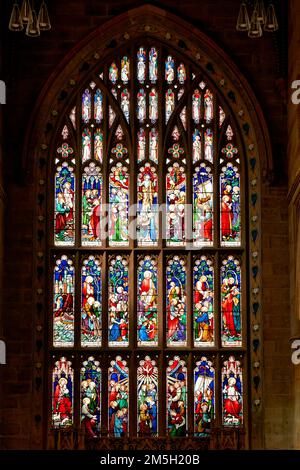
28 17
271 23
43 18
15 22
26 12
243 23
261 19
33 28
255 30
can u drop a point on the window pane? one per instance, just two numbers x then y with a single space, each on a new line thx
91 205
176 301
91 302
118 205
62 394
118 397
147 301
177 397
63 303
147 389
204 396
231 302
118 301
147 216
203 281
64 224
203 206
90 386
176 188
230 206
232 389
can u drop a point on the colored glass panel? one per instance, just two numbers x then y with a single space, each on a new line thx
231 302
62 394
90 391
64 210
91 303
203 301
147 301
147 391
118 398
176 301
118 304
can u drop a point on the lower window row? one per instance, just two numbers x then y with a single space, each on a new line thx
176 391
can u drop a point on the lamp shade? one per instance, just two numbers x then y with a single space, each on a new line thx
243 23
43 18
33 29
15 22
26 12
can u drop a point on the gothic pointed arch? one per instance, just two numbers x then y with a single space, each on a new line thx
148 101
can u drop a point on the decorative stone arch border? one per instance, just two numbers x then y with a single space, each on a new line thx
238 96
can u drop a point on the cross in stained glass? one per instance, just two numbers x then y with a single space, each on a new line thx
176 150
229 151
119 150
65 150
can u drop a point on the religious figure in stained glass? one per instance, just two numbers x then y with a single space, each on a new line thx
113 73
91 303
64 224
230 205
177 397
86 145
90 386
125 103
91 205
141 105
170 103
147 391
86 106
141 145
231 302
232 390
169 69
125 71
119 200
208 106
98 145
176 301
208 145
118 301
98 106
181 74
153 59
62 394
118 398
196 146
204 397
153 145
147 206
153 105
196 106
63 302
203 205
147 301
203 302
141 65
176 187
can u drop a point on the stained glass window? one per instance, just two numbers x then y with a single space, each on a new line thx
90 387
177 397
148 252
118 397
147 394
62 393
